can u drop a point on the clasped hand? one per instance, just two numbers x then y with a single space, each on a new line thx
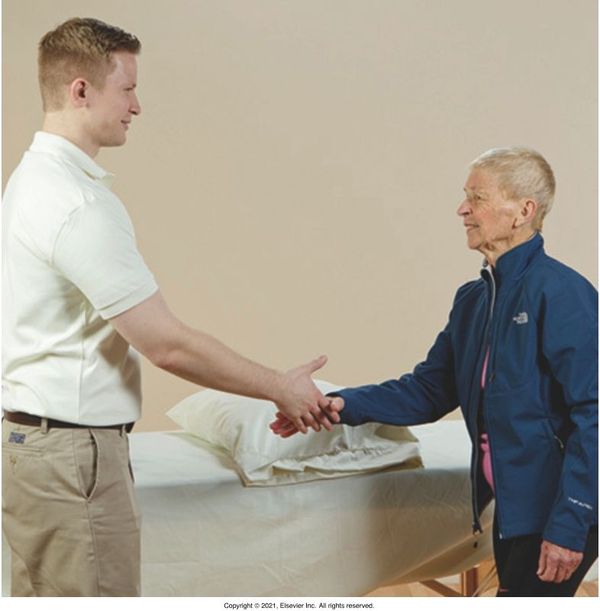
300 401
304 405
301 404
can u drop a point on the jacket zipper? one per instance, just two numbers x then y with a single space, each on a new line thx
476 522
500 536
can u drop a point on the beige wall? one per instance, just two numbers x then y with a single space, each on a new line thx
294 175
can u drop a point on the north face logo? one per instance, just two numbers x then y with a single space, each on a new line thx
521 318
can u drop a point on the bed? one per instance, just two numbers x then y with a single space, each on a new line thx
206 534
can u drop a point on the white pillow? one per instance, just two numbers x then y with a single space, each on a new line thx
240 426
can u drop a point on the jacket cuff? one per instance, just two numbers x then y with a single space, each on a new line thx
565 537
350 415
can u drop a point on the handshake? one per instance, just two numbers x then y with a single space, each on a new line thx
301 405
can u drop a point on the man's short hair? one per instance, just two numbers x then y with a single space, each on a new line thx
79 48
522 173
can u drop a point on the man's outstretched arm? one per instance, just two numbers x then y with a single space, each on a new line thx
153 330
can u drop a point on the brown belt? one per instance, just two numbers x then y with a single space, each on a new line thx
30 420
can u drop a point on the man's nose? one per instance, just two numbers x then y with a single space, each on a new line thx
135 108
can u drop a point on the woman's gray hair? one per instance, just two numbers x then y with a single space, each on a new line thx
522 173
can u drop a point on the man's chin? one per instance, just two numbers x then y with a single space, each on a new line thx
114 142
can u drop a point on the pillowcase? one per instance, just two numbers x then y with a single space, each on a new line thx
240 426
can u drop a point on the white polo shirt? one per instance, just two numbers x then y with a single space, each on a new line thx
70 262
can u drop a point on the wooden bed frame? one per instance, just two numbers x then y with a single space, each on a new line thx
473 582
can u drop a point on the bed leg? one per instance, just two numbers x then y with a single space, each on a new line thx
469 581
479 579
473 582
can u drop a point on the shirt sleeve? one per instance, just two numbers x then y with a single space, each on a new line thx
96 250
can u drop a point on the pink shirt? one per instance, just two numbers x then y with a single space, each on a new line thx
486 462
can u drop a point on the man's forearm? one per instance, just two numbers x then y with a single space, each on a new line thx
168 343
202 359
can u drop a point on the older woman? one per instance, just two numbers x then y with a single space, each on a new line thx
519 355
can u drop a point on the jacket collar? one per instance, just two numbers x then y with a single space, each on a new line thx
513 264
44 142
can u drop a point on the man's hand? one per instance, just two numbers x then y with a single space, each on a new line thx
300 401
330 408
557 563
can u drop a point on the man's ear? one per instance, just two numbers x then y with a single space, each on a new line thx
79 91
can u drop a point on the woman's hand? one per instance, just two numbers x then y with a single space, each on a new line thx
557 563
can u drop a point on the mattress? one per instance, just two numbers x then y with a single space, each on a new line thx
205 534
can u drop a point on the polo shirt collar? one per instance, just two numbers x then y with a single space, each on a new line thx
44 142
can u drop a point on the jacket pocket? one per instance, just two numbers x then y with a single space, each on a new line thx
554 438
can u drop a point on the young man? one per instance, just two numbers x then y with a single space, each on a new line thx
77 296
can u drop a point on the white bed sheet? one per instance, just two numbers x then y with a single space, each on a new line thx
205 534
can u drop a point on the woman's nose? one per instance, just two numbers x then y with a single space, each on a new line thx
463 208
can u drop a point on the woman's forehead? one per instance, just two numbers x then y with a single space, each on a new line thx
481 180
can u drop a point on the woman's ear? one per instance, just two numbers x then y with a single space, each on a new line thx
527 211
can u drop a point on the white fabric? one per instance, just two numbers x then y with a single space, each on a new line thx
240 426
205 534
69 263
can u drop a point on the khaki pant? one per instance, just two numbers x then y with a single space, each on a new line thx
69 512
